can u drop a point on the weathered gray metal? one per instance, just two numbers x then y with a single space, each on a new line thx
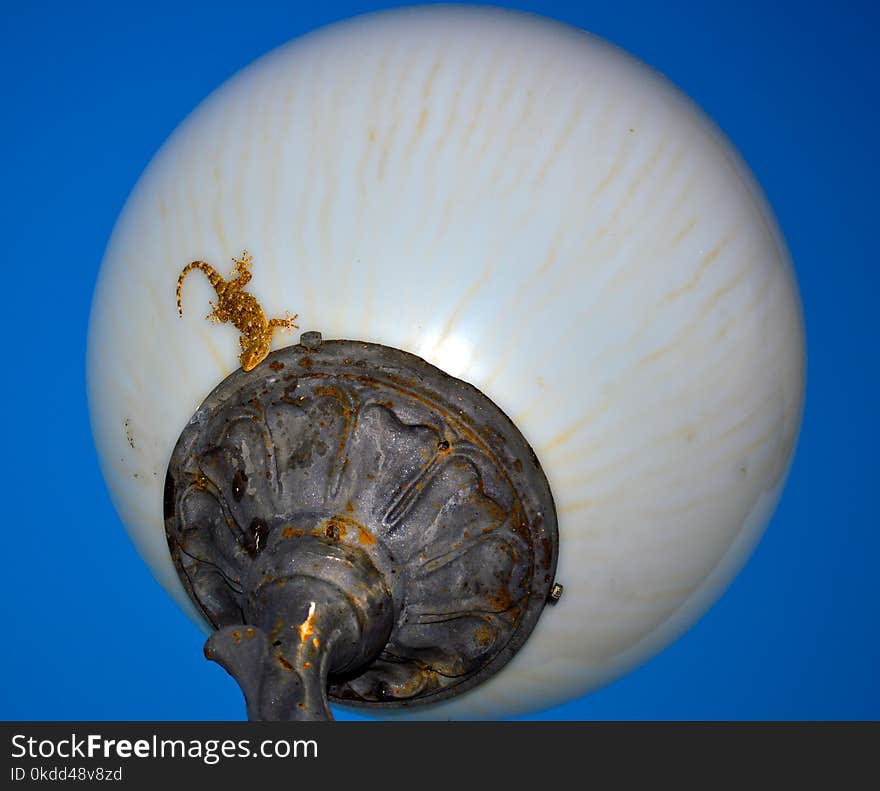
348 514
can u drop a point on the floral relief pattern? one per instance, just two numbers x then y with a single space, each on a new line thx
415 488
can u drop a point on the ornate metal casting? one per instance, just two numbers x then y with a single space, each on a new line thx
354 522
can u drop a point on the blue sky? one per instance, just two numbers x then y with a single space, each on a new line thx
91 91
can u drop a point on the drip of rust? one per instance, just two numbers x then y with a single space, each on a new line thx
307 627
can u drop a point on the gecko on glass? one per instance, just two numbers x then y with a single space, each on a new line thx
241 308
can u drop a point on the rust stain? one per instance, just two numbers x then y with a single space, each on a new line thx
307 627
284 663
484 636
365 537
290 532
276 366
421 679
306 362
128 434
236 635
288 393
349 421
501 600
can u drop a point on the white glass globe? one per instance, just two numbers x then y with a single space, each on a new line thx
530 209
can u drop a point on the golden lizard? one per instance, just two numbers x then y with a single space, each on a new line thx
241 308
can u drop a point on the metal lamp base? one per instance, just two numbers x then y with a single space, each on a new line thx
358 526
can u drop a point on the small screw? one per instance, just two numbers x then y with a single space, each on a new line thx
555 593
311 340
